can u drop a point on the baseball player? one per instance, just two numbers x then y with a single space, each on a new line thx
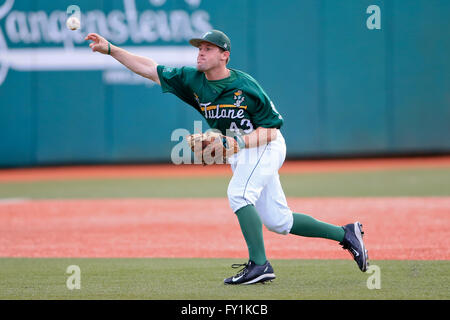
233 103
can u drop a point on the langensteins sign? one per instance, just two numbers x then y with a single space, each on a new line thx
40 41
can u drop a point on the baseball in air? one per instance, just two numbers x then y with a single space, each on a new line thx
73 23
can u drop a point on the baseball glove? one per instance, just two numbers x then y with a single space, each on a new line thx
212 147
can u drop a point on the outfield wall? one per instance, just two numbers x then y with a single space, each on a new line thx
344 86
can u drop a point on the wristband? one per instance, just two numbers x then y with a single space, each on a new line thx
240 141
109 48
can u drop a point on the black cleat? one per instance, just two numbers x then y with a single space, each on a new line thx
353 242
251 273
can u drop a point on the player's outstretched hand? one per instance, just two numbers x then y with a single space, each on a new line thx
99 43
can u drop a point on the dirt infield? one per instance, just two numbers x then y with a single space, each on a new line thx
396 228
171 170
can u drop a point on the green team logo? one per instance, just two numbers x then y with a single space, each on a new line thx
239 98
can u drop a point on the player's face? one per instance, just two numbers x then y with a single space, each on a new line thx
210 57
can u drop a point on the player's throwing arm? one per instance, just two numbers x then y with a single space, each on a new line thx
143 66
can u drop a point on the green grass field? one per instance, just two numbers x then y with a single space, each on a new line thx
186 279
389 183
28 278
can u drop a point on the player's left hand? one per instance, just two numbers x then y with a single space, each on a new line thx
220 149
212 147
231 146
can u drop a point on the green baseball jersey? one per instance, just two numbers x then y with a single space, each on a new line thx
237 103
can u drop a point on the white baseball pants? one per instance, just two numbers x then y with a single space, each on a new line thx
256 181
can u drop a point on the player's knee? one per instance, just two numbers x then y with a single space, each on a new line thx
280 224
280 229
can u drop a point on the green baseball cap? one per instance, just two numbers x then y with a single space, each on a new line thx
215 37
